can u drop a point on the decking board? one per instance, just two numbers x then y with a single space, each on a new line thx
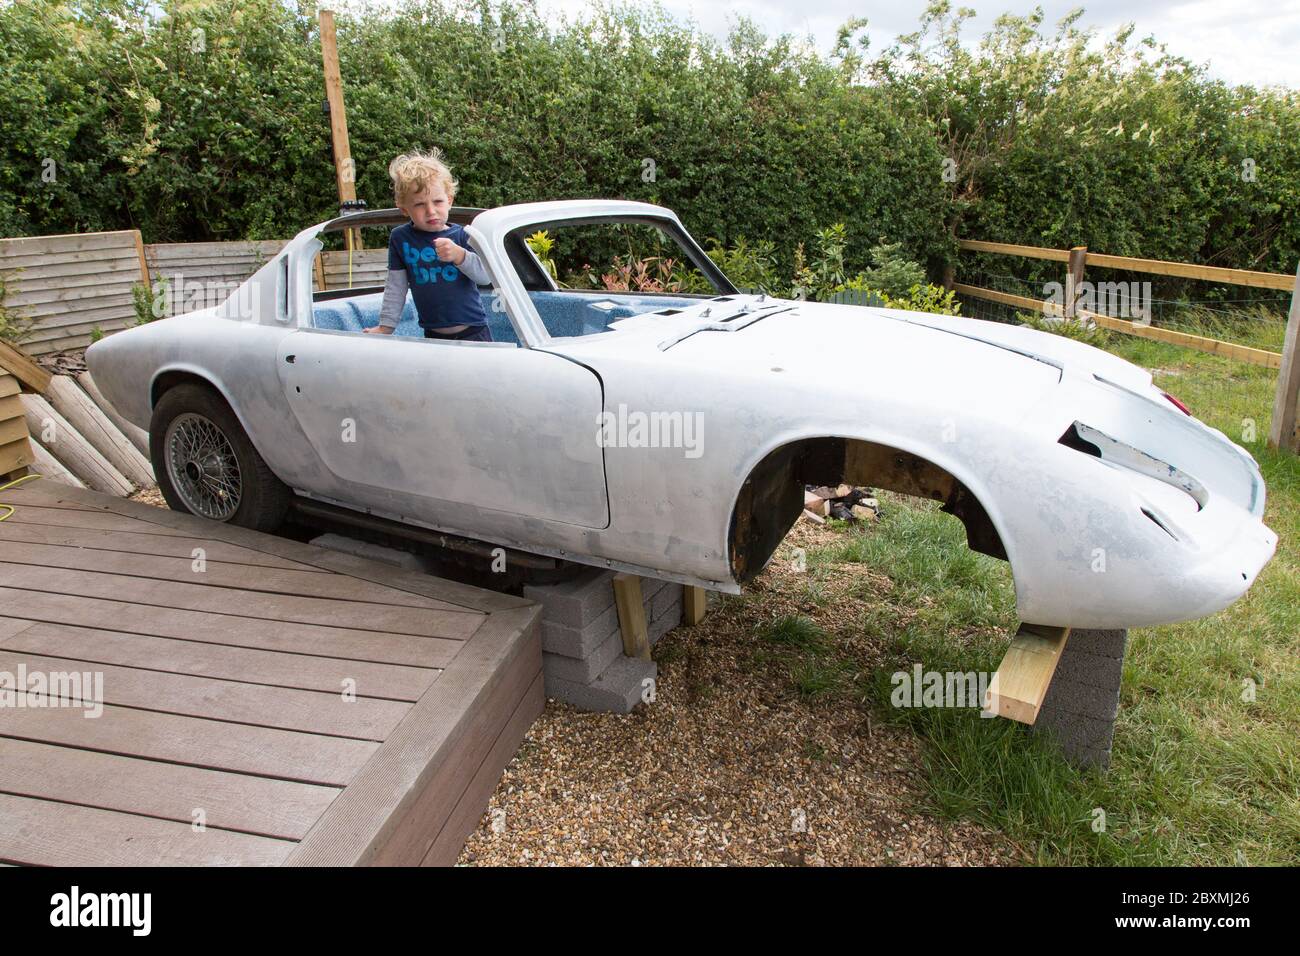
195 742
161 545
248 665
231 629
210 572
223 691
230 801
45 833
457 624
361 718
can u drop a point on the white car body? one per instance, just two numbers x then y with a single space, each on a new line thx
1162 522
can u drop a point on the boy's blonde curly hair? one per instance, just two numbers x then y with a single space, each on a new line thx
417 171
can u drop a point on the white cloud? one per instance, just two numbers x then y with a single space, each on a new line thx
1248 41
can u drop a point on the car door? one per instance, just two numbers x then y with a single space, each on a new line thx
441 424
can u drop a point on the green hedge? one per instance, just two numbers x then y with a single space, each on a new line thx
221 134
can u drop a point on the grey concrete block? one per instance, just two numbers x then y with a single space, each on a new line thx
1085 741
617 689
1089 700
652 586
1084 668
1083 699
375 552
572 641
584 670
1110 643
669 619
664 599
576 602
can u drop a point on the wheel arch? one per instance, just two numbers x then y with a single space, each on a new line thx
167 378
769 499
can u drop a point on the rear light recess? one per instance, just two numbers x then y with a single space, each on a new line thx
1177 404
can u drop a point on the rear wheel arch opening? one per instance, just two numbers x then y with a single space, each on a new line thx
210 467
771 498
170 379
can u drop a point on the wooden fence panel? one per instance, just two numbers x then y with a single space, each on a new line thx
369 268
203 274
72 284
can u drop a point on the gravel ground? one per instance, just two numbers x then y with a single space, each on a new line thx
149 496
729 765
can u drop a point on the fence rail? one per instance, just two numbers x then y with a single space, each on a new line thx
1185 270
1283 433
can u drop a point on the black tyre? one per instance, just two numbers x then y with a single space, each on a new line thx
205 464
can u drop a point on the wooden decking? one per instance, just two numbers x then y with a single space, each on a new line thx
228 733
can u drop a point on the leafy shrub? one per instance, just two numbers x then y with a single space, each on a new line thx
652 274
541 244
13 325
927 298
202 120
900 282
824 272
149 302
748 265
892 273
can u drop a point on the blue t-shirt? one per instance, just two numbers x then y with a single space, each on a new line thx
443 294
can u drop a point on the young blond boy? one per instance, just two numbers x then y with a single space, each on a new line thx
430 256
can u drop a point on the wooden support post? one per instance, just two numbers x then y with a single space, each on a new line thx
694 603
1283 433
138 436
1073 277
19 364
631 615
1020 684
47 465
344 167
93 425
73 452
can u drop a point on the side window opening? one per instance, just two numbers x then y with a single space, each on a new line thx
282 290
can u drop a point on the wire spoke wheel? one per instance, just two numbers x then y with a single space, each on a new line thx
202 466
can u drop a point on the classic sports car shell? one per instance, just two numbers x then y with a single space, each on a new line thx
1114 507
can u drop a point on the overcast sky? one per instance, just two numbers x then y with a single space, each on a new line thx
1243 41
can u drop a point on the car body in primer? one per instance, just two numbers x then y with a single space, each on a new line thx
1113 506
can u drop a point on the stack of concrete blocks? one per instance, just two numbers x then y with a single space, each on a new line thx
1082 700
582 644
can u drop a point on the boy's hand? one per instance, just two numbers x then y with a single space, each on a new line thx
448 251
381 330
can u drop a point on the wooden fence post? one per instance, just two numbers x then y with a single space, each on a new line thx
1074 276
344 167
1282 432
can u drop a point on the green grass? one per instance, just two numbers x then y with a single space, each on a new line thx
793 631
1199 775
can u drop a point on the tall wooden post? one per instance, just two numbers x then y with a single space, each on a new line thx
344 167
1282 433
1074 276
